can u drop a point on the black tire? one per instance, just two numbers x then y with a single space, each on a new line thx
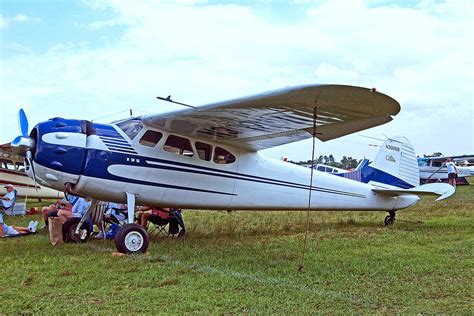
131 239
389 220
69 231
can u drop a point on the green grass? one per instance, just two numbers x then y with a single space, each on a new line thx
246 262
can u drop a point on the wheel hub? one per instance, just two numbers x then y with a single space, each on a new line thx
133 241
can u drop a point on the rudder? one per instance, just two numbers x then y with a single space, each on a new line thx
397 158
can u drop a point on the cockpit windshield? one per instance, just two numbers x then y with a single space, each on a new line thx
131 127
422 162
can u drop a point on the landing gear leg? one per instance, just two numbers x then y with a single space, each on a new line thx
131 238
389 219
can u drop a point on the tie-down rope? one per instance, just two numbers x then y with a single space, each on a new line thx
301 267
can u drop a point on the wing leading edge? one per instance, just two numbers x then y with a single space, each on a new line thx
282 116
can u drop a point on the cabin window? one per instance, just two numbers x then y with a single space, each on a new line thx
204 151
222 156
150 138
7 164
131 127
436 163
178 145
328 169
20 166
320 168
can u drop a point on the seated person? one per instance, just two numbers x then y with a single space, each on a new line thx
144 212
221 159
78 209
171 216
66 203
115 213
8 199
52 210
11 231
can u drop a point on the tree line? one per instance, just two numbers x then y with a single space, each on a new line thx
344 163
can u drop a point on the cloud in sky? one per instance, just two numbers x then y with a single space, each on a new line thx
421 54
6 21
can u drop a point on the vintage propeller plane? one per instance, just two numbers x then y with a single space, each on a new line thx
207 157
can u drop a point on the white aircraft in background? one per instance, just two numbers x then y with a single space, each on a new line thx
207 157
12 171
433 169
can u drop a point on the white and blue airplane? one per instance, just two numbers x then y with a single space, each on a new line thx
207 157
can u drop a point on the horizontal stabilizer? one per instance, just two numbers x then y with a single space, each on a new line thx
442 189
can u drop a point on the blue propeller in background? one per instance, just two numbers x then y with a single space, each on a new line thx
23 144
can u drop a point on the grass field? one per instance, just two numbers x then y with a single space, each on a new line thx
246 262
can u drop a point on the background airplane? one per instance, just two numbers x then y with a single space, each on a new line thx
12 171
433 169
207 157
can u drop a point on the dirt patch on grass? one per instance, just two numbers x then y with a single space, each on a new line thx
28 281
168 282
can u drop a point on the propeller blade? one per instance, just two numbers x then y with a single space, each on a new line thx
28 157
23 121
16 141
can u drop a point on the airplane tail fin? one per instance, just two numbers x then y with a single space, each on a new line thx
394 165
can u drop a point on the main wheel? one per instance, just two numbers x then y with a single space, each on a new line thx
131 239
69 231
389 220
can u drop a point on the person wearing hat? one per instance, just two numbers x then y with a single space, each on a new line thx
6 202
8 199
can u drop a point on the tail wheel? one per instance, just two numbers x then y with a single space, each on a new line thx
69 231
389 220
131 239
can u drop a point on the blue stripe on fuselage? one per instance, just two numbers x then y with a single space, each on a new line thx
369 173
99 160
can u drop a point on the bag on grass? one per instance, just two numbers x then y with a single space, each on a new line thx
55 231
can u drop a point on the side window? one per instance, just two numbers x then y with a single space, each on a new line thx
150 138
9 165
20 166
131 127
204 151
222 156
320 168
436 164
178 145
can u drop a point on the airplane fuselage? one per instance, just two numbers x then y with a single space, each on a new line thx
104 163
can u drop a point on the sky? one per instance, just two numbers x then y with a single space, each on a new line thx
95 59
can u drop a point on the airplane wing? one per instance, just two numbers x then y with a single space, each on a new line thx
282 116
442 189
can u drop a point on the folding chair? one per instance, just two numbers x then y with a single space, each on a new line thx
10 211
166 223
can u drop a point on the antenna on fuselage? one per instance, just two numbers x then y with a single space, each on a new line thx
131 113
168 99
